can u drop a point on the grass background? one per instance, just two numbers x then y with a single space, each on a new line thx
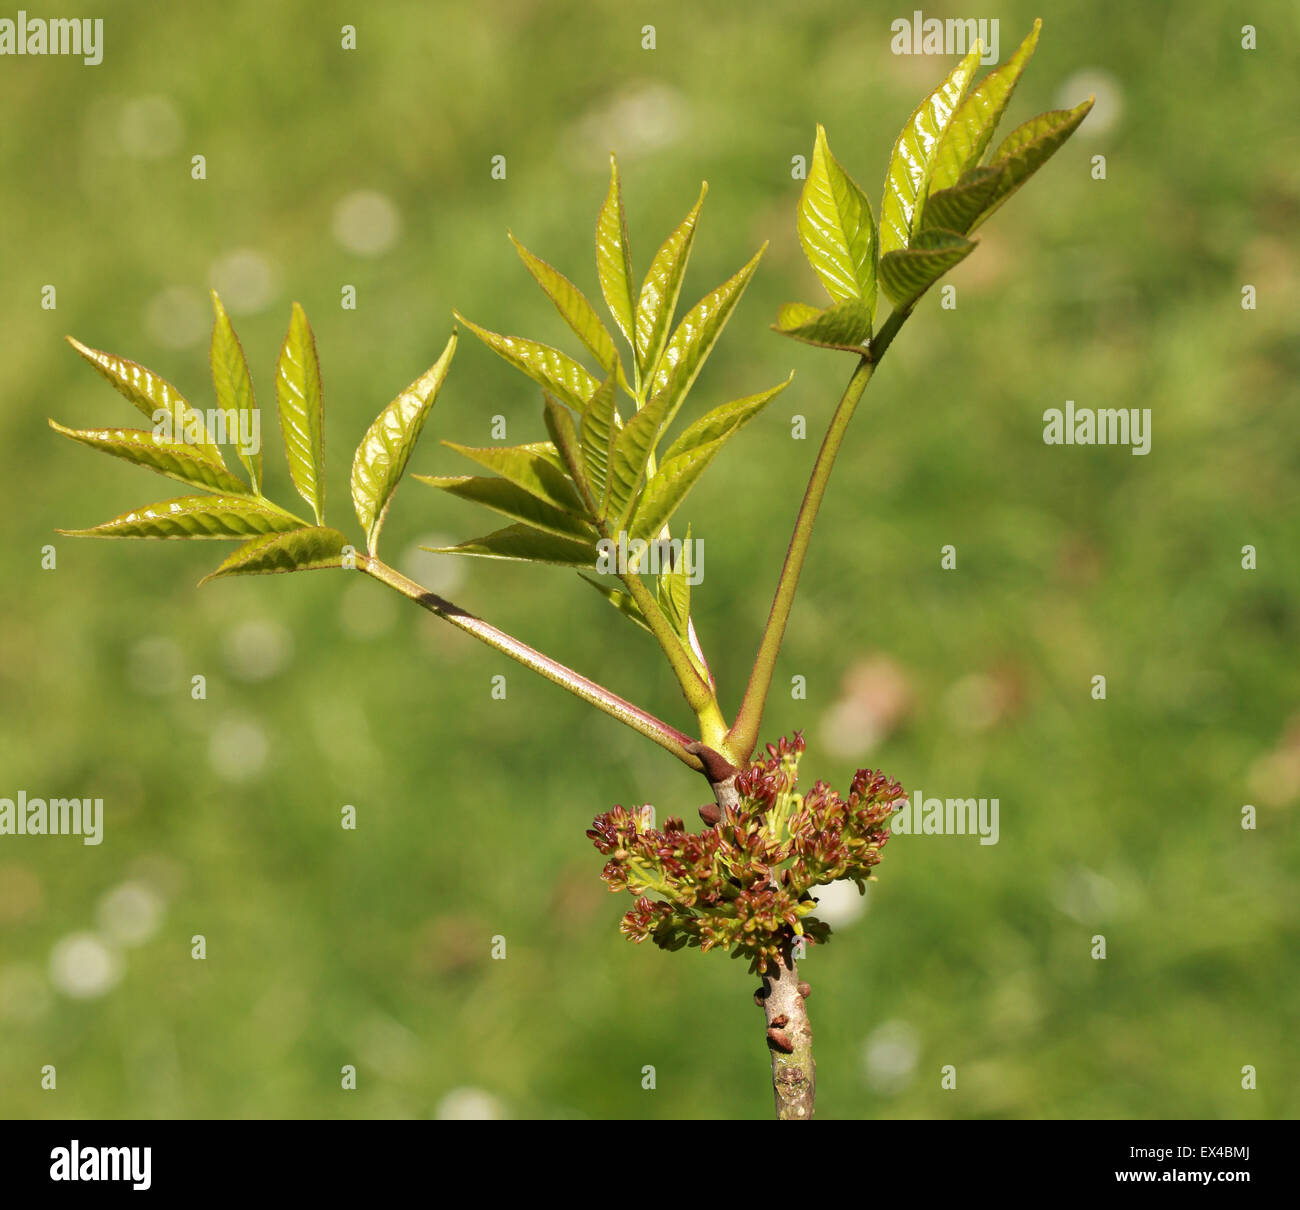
372 948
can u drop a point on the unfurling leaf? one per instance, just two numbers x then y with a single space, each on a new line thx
906 275
307 549
669 486
525 544
535 467
574 309
838 231
184 463
196 517
614 258
234 386
846 325
971 129
674 590
513 502
554 371
912 161
152 396
694 338
302 421
657 302
596 438
725 421
382 456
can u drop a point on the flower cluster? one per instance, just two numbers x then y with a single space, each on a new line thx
744 883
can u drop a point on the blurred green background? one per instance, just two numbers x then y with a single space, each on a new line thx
370 168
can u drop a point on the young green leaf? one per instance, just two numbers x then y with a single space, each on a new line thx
196 517
302 422
906 275
300 550
574 309
384 451
234 384
525 544
845 325
564 436
968 134
154 397
599 429
669 486
694 338
725 421
614 258
912 161
536 468
657 302
621 601
184 463
554 371
1027 148
838 232
628 460
513 502
674 590
956 209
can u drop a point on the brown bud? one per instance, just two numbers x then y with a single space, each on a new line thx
780 1021
805 990
710 812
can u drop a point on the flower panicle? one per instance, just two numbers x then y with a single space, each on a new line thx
745 883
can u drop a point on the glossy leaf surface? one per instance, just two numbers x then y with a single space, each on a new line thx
837 230
185 463
384 451
233 383
196 517
846 325
906 275
551 369
522 542
302 419
308 549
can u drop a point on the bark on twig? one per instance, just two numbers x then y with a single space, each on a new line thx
789 1038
